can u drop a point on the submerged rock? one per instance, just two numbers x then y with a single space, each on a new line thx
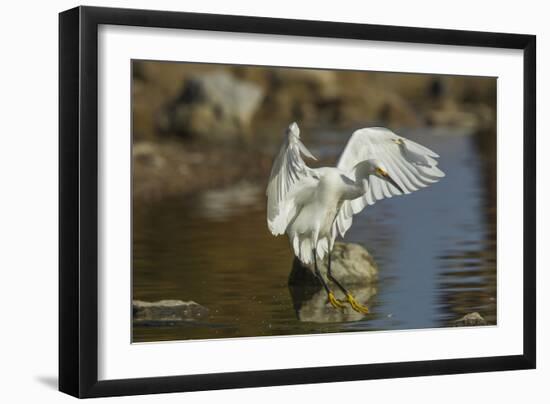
167 311
311 304
470 319
351 264
212 107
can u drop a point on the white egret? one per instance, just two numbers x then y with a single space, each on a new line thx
315 205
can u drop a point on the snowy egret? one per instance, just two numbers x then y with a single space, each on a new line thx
315 205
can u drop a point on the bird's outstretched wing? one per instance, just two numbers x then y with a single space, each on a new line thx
290 178
408 163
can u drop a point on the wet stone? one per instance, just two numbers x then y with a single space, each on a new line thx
165 312
351 264
470 319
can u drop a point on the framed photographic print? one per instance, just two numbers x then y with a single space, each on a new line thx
251 201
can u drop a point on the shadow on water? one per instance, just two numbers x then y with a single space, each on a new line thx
435 249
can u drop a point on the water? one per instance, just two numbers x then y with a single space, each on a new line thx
435 248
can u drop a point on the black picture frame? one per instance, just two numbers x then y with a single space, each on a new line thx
78 200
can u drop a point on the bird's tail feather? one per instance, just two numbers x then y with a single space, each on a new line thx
303 248
305 253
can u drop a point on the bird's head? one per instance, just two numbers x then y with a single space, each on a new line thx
381 172
378 169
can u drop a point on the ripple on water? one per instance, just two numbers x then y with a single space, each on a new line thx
435 250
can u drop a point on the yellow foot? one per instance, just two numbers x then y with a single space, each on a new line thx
337 304
356 306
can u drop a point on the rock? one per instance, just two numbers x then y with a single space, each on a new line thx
376 105
351 264
311 304
470 319
212 107
313 83
451 114
299 94
166 311
396 111
147 154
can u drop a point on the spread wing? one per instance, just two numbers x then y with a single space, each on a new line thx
411 165
290 179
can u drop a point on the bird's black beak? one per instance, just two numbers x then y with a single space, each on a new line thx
392 181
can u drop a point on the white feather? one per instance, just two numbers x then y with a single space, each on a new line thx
410 164
318 204
285 181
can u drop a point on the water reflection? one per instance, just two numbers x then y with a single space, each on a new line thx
311 305
468 280
435 249
221 204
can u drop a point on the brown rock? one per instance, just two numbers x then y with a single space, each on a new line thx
214 107
470 319
167 311
351 264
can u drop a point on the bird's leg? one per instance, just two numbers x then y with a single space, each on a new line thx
331 298
349 297
333 279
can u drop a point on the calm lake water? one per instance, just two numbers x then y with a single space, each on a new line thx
435 249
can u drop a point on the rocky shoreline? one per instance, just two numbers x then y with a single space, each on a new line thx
171 167
166 312
199 126
226 104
